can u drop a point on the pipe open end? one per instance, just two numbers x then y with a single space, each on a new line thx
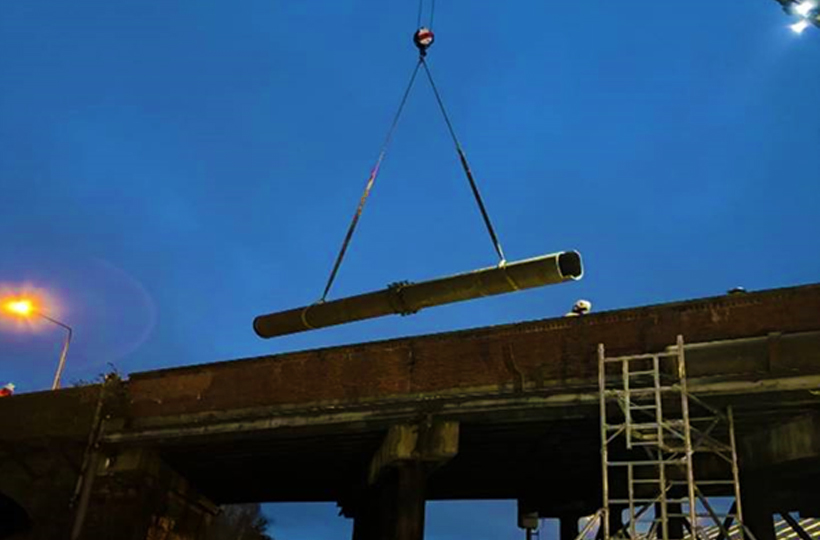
570 266
257 327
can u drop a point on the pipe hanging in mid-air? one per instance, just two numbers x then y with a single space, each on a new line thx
407 298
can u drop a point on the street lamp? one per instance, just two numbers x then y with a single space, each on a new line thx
23 307
808 12
805 8
800 26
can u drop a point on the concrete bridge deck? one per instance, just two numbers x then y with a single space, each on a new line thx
306 426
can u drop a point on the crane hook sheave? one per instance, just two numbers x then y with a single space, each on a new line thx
423 38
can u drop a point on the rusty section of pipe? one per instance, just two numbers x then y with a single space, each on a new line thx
407 298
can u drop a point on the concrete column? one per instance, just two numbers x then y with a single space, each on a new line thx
616 521
135 496
366 519
528 517
410 501
569 526
394 507
758 513
675 509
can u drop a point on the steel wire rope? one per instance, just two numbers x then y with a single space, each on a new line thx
421 12
369 185
466 166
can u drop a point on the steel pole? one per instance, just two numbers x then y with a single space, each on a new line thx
63 353
407 298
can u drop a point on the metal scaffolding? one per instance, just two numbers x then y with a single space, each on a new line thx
669 459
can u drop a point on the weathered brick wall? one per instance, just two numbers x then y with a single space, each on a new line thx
551 352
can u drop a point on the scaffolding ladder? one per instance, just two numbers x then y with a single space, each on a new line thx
666 454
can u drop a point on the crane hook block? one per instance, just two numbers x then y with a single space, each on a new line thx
423 38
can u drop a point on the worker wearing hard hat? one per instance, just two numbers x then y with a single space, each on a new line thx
7 390
581 307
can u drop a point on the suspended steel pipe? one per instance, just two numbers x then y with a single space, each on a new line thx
406 298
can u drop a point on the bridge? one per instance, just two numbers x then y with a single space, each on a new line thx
504 412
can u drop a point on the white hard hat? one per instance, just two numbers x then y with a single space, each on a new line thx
10 386
582 305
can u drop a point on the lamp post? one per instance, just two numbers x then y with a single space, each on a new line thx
25 308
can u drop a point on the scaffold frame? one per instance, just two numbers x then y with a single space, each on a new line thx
653 434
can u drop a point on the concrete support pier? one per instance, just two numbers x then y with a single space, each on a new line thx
394 508
569 526
676 527
616 520
758 513
394 503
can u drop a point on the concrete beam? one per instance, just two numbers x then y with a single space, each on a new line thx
531 403
434 443
789 442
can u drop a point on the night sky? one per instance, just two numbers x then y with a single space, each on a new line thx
169 170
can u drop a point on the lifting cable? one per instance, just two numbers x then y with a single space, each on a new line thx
466 167
423 38
421 12
370 181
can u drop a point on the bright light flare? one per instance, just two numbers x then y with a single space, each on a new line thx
800 26
22 307
804 8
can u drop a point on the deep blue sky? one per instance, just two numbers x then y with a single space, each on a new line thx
168 170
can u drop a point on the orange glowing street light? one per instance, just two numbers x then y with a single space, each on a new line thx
24 307
20 307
